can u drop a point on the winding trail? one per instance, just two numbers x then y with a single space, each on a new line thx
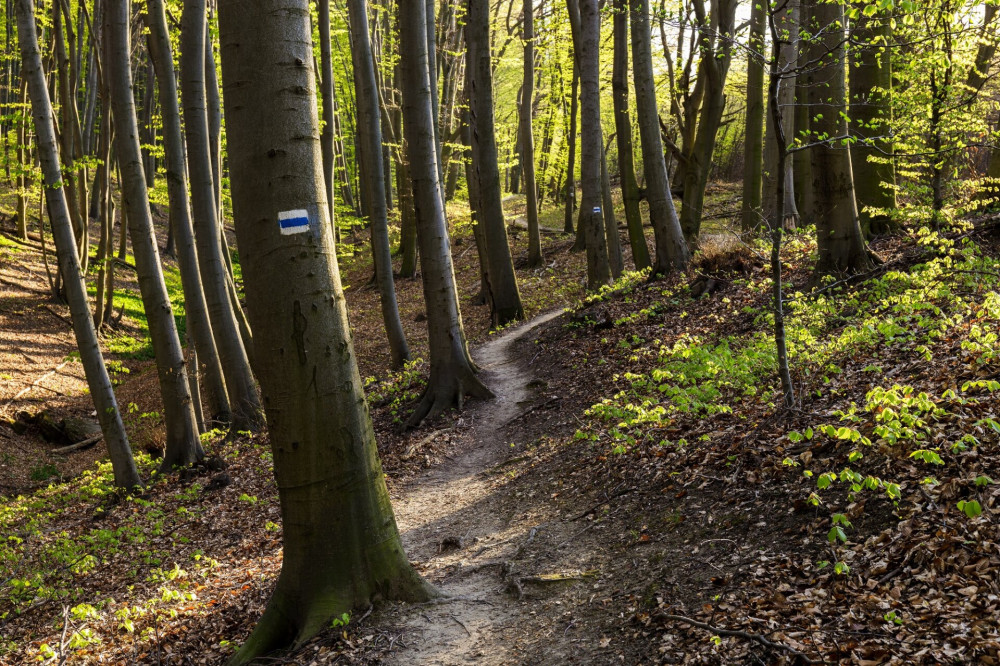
458 527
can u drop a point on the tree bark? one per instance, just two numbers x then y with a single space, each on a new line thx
484 174
871 123
199 325
528 136
571 159
326 93
183 446
671 250
233 355
841 245
452 372
753 142
623 135
787 22
341 546
591 146
123 465
370 146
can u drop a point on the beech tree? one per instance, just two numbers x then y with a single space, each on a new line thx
671 250
99 383
528 135
183 446
753 142
341 545
452 372
502 292
370 149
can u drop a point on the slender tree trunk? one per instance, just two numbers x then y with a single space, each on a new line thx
787 25
452 371
615 259
802 164
871 123
123 465
591 145
484 174
571 159
326 92
753 142
233 354
407 216
528 136
198 323
182 446
370 145
840 242
623 135
671 250
341 546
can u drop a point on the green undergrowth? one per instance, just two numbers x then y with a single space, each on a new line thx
110 567
397 390
897 375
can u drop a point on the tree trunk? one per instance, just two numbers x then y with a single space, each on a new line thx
182 443
801 163
452 372
671 250
484 174
591 146
528 137
326 93
623 134
571 159
214 276
840 242
99 383
199 326
753 143
871 123
787 23
341 546
715 46
370 145
615 259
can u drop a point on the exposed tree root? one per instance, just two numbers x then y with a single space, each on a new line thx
446 390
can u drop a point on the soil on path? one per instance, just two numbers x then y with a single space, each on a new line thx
461 526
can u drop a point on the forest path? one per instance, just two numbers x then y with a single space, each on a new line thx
460 525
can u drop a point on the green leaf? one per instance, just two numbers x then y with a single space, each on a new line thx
971 508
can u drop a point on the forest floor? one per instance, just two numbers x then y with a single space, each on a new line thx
635 494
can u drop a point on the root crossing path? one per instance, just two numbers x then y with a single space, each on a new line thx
464 528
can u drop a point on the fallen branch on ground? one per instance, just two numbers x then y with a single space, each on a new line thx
738 634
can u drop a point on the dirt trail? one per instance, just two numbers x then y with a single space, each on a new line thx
458 527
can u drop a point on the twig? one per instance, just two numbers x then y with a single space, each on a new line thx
79 445
529 410
602 503
739 634
461 624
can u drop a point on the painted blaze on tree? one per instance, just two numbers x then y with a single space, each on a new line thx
341 545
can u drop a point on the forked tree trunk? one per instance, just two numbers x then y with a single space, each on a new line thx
452 372
484 174
123 465
199 325
671 250
753 142
591 146
840 243
183 446
528 136
623 136
370 147
342 549
215 279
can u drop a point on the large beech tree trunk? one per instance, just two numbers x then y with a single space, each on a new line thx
123 465
591 210
623 135
841 245
196 309
370 147
871 122
528 136
182 446
214 274
452 372
671 250
341 545
484 174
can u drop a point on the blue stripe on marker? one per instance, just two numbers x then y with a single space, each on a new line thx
294 222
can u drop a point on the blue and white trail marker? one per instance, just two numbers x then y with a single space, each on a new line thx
293 222
597 210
